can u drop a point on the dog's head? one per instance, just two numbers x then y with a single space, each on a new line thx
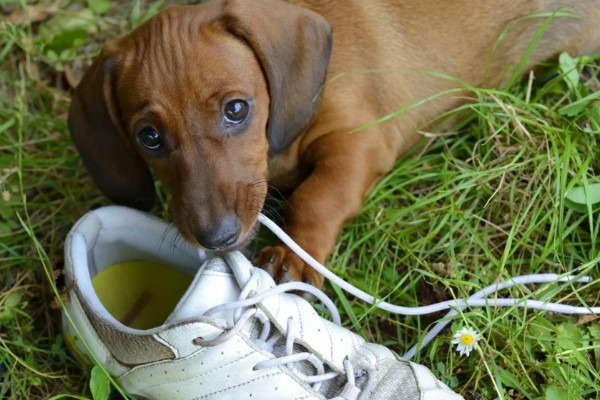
201 95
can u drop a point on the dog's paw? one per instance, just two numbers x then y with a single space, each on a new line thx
285 266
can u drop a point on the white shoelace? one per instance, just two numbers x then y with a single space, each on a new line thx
476 300
245 308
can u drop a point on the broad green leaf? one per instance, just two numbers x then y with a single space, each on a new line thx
568 66
99 384
570 339
578 198
13 299
67 41
556 393
99 6
578 106
7 310
67 31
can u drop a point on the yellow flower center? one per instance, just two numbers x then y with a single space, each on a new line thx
467 339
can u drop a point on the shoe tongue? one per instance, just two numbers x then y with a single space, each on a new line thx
213 285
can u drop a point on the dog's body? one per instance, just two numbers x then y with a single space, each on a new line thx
220 97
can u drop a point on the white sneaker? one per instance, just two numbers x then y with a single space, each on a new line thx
231 333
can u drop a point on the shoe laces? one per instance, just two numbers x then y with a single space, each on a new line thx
245 308
478 299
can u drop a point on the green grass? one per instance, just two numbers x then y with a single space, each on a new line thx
482 204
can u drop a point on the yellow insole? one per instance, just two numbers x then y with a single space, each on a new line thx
140 294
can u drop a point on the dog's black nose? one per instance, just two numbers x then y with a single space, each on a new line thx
221 235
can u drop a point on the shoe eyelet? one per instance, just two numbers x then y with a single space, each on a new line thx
197 341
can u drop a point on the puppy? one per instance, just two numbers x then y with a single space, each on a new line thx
221 100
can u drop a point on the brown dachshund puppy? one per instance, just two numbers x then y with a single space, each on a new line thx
220 98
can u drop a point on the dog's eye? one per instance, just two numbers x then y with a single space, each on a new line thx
150 138
235 111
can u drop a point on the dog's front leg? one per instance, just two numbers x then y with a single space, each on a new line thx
344 168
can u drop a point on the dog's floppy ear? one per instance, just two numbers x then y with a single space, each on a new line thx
118 171
293 46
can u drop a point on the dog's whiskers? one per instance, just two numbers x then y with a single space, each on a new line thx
273 213
175 237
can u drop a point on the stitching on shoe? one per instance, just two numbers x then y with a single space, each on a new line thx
267 375
299 315
417 381
147 367
330 343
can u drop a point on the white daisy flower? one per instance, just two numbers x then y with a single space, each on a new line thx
466 339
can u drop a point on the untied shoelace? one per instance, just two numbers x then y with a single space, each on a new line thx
475 300
248 298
